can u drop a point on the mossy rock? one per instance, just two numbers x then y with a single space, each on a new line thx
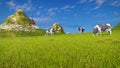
59 28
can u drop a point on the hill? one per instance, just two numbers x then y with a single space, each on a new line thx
117 27
19 21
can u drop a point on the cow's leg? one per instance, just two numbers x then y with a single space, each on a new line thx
82 32
96 33
51 34
45 34
110 32
93 34
99 32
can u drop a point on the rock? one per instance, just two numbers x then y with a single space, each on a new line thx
58 27
19 21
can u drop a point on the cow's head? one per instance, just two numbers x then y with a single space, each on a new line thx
95 31
54 29
109 25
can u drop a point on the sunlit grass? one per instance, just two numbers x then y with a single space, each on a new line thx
61 51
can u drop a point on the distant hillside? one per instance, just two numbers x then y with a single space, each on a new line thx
19 21
20 18
19 24
117 27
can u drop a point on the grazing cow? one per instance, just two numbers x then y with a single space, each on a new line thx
50 31
81 29
102 28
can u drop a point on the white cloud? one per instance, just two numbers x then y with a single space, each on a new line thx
115 13
0 5
75 14
11 4
99 3
38 13
40 7
100 15
115 3
42 20
113 20
83 1
52 11
90 0
67 7
26 6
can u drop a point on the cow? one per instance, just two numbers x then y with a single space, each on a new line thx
50 31
102 28
81 29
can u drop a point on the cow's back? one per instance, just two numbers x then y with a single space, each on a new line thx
104 27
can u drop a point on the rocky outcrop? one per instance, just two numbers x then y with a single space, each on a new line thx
58 27
19 21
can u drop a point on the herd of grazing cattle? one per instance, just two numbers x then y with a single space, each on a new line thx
99 28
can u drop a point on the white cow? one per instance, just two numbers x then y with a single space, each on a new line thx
81 29
50 31
102 28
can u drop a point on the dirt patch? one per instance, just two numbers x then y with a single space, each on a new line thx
100 41
108 39
116 41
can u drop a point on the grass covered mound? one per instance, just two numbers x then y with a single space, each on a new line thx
117 27
6 34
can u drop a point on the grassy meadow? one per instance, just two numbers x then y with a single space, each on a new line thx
61 51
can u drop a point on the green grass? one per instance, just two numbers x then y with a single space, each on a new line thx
10 34
61 51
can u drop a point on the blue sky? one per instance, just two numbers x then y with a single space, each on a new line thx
69 13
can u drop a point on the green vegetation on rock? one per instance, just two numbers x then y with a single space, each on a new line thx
19 17
19 21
